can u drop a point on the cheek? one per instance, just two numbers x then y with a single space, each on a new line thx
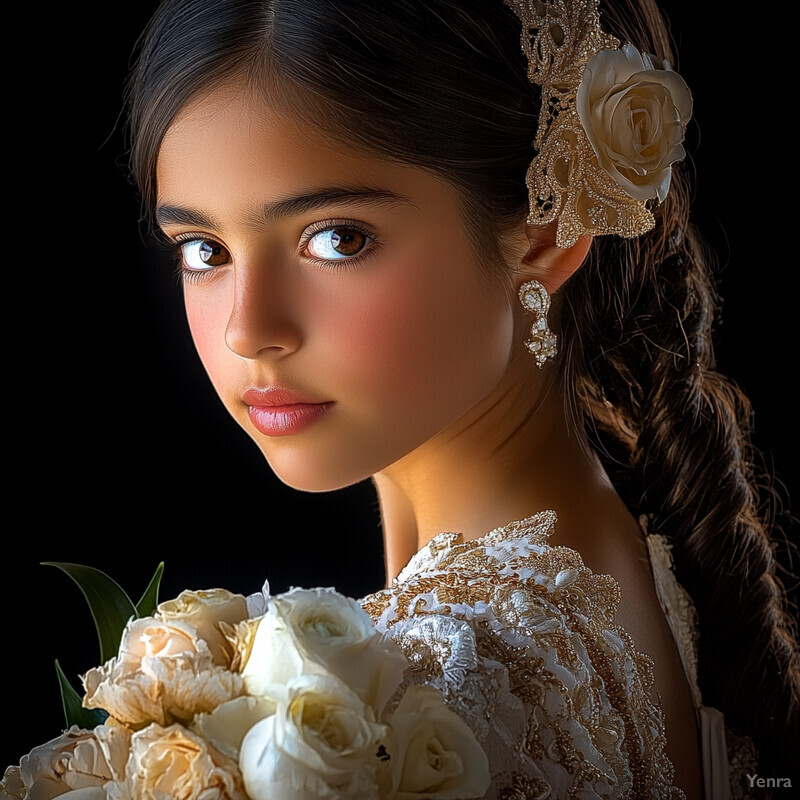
433 332
208 320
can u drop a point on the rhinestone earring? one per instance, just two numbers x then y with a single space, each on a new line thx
542 343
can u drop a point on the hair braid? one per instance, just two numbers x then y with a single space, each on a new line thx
675 436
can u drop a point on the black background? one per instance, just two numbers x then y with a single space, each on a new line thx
119 453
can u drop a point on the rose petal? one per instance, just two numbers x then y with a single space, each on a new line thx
634 117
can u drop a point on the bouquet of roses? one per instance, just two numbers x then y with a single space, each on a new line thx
214 696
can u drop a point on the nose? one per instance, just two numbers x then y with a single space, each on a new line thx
262 322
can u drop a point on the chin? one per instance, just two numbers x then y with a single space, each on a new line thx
304 473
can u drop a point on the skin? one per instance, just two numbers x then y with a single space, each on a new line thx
418 351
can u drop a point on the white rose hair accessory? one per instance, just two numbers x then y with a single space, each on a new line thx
610 127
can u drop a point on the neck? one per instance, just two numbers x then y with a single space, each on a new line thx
506 459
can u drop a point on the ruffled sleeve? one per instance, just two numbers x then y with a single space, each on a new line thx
519 636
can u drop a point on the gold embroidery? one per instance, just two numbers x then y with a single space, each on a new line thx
449 587
422 658
522 788
533 741
375 604
542 615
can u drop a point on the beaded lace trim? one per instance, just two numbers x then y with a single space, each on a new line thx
520 638
565 182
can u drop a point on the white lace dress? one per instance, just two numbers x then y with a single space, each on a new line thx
520 637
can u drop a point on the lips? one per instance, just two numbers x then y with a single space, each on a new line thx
275 411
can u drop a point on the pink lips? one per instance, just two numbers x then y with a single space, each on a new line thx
281 412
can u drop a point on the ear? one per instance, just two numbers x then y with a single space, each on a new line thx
546 261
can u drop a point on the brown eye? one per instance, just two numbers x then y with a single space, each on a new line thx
202 254
334 244
347 242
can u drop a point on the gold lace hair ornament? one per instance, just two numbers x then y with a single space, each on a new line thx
610 127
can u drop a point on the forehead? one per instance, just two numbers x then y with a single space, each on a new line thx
232 147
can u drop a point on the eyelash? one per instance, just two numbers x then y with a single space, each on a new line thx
195 276
183 273
344 263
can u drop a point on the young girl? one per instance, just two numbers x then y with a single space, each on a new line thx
399 265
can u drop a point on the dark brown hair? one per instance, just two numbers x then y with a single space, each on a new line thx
442 84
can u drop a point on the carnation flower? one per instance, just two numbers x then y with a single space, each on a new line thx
164 672
175 763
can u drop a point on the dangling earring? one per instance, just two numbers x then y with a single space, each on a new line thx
543 342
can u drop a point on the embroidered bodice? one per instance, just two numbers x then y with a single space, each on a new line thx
520 637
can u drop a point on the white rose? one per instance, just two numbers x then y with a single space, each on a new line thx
319 631
268 652
433 752
76 760
163 673
175 763
204 611
635 117
321 742
225 727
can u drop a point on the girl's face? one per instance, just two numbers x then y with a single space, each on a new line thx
334 297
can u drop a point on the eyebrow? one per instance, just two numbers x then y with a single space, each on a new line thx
290 206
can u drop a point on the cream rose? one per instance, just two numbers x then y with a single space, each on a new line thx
163 673
225 727
76 760
635 117
319 631
269 654
322 742
204 611
173 762
433 752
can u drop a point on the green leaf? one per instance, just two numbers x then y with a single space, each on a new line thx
149 600
74 712
110 606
